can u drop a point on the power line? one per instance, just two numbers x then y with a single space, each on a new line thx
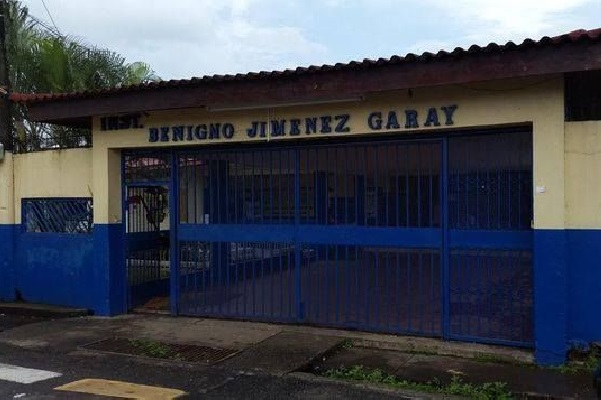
52 30
50 16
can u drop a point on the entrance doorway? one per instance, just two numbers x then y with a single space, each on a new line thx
147 233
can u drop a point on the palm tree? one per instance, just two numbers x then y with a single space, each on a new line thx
41 60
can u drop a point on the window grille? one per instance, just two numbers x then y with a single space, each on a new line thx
58 215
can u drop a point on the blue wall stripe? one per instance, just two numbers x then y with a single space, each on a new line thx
371 236
498 240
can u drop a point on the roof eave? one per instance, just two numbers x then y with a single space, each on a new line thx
327 85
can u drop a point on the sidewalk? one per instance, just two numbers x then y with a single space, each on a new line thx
281 349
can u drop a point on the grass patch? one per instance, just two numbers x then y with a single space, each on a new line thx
457 387
584 362
154 349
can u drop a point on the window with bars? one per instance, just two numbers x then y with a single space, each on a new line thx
58 215
583 96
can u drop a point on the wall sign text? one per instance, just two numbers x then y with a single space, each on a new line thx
388 120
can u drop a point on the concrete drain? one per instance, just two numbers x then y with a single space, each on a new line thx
161 350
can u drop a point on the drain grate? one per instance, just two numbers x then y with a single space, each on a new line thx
161 350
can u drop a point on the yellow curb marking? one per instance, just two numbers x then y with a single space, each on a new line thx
125 390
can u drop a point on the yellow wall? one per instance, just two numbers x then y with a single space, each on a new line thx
538 101
52 173
583 173
7 210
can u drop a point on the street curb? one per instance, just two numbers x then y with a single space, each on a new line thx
408 394
41 310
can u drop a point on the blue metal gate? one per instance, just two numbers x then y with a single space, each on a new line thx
426 237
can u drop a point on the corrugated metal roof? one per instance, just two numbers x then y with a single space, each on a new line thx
576 36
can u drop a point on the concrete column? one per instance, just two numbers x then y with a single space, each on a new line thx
7 228
109 262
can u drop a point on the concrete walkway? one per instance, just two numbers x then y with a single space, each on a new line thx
281 349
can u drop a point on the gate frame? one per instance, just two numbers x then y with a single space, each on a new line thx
442 136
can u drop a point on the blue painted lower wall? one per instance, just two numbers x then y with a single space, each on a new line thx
110 258
550 296
57 269
7 262
76 270
584 286
88 271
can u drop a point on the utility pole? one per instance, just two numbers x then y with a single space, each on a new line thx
6 126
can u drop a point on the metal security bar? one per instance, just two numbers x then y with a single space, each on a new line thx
372 288
146 167
58 215
247 216
492 296
238 279
490 214
148 245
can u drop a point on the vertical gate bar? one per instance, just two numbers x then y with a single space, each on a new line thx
231 249
206 282
345 219
357 297
419 186
192 217
281 172
365 271
377 292
479 291
376 195
347 284
446 261
356 184
509 214
387 283
397 185
387 174
499 194
365 193
336 195
337 275
397 290
264 245
271 219
326 289
252 188
407 149
124 230
272 247
173 241
235 170
420 286
489 295
410 296
488 199
432 307
297 243
262 190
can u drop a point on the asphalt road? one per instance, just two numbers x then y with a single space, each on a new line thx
199 380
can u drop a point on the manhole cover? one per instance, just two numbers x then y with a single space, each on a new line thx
161 350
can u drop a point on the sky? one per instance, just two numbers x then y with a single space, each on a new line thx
186 38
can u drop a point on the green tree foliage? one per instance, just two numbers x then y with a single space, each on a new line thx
42 60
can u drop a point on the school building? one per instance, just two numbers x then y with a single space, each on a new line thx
454 195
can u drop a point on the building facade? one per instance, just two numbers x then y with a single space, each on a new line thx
451 195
